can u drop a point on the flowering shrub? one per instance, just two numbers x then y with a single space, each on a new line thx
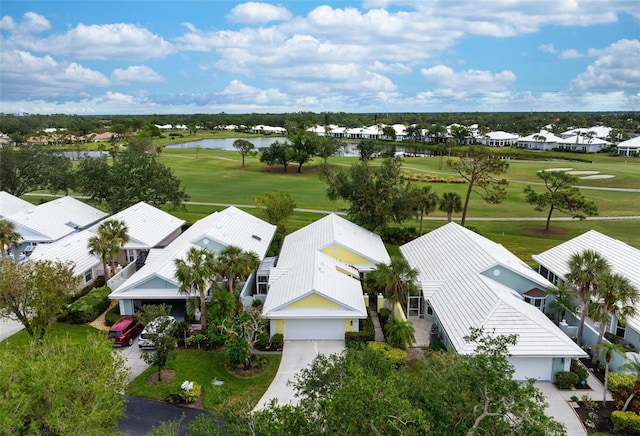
189 393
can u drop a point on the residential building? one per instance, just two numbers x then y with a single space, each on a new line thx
468 281
314 290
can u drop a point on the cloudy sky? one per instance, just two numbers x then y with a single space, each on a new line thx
143 57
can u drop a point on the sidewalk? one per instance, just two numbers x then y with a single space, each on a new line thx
376 324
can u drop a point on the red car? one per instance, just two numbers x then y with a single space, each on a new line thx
124 331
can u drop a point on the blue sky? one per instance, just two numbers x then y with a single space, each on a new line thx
145 57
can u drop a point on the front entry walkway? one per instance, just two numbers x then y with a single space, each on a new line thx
296 355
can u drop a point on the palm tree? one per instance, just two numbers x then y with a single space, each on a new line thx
9 238
450 202
196 273
584 267
234 262
618 297
400 334
632 366
396 280
562 301
118 234
609 349
99 247
108 243
425 202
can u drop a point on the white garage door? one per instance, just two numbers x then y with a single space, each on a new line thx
317 329
529 367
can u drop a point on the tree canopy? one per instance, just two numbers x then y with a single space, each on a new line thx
478 167
560 195
132 178
276 207
377 195
278 153
245 148
34 293
62 386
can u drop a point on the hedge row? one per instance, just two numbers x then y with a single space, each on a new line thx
625 422
566 379
366 334
112 315
87 308
621 381
395 356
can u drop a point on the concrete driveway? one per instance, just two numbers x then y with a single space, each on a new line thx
296 355
133 360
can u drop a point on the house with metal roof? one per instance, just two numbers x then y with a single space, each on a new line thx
498 138
155 282
543 140
52 221
468 281
148 227
11 205
622 258
314 289
630 147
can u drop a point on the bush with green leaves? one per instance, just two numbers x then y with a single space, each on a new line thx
262 340
580 370
400 333
625 422
237 350
112 315
89 307
621 381
566 379
186 395
395 356
384 315
437 346
277 341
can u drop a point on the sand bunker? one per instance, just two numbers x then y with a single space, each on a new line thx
579 173
598 176
557 169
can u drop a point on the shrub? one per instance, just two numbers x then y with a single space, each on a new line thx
566 379
262 340
112 315
256 302
580 370
277 341
384 315
181 331
351 338
625 422
621 381
237 351
437 346
395 356
398 235
186 395
89 307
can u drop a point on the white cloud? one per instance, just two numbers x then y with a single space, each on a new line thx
31 23
470 82
137 73
548 48
258 13
617 67
7 23
571 54
25 75
239 91
100 42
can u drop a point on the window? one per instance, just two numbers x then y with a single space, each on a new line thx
538 302
621 328
88 276
263 284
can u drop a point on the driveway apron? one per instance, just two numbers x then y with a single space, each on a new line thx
296 355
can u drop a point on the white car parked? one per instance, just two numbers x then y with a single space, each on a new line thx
145 341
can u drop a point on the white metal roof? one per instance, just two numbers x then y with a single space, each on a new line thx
147 225
453 263
623 259
56 219
73 248
302 267
231 226
633 142
11 205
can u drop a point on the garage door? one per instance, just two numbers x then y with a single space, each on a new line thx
529 367
318 329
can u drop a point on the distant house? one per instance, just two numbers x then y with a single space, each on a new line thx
630 147
148 227
543 140
11 205
582 143
51 221
468 281
314 289
498 139
155 282
622 258
268 130
600 132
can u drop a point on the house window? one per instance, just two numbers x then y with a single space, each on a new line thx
88 276
131 255
263 284
538 302
621 327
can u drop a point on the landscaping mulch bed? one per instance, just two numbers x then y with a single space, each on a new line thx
596 419
166 375
258 365
593 369
551 232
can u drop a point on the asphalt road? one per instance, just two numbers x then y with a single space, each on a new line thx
143 414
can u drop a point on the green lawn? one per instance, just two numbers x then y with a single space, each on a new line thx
205 367
57 330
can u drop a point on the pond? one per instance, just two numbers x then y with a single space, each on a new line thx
227 143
